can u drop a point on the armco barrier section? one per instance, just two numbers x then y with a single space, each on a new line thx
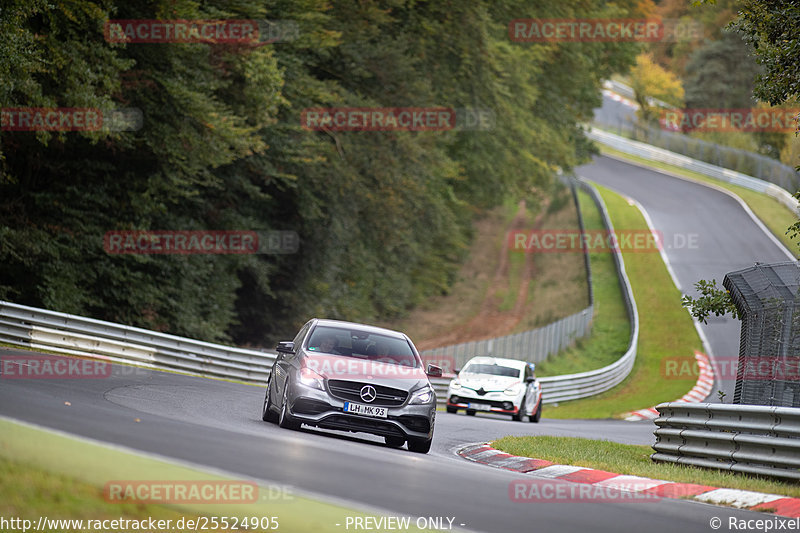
752 439
76 335
651 153
584 384
533 345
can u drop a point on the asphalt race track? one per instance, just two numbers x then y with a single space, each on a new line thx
706 234
218 424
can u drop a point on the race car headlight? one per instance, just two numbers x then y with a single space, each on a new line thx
513 390
455 384
309 378
423 395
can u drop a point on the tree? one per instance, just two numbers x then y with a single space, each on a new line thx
721 74
383 217
650 81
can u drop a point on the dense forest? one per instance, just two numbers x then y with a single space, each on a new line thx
383 217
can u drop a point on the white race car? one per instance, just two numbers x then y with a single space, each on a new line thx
495 385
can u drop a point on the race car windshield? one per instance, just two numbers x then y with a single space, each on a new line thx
362 345
494 370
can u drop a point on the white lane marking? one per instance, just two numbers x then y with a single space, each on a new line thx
718 188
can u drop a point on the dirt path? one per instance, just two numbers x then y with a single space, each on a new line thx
490 320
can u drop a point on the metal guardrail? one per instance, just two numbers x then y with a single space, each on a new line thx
653 153
533 345
77 335
752 439
584 384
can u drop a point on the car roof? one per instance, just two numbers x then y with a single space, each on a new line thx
489 360
355 325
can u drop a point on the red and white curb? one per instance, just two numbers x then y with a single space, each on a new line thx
700 391
650 488
621 99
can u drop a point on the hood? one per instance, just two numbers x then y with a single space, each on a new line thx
488 382
372 371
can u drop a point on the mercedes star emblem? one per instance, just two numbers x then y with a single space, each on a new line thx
368 393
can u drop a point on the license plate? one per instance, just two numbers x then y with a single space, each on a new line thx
479 406
366 410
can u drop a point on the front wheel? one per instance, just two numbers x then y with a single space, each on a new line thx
420 445
452 409
470 412
538 415
285 420
518 417
267 415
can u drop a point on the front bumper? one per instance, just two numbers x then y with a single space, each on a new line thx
314 407
497 402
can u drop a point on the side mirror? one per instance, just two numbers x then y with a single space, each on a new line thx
434 371
285 347
530 379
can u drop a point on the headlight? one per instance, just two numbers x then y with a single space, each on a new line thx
423 395
309 378
455 384
513 390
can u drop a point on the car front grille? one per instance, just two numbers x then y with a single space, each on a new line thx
494 403
351 391
367 425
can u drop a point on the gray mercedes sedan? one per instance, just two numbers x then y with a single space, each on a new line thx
353 377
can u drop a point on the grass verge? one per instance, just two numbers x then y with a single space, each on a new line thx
47 474
775 216
666 331
628 459
611 328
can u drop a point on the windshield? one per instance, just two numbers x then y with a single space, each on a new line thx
494 370
362 345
